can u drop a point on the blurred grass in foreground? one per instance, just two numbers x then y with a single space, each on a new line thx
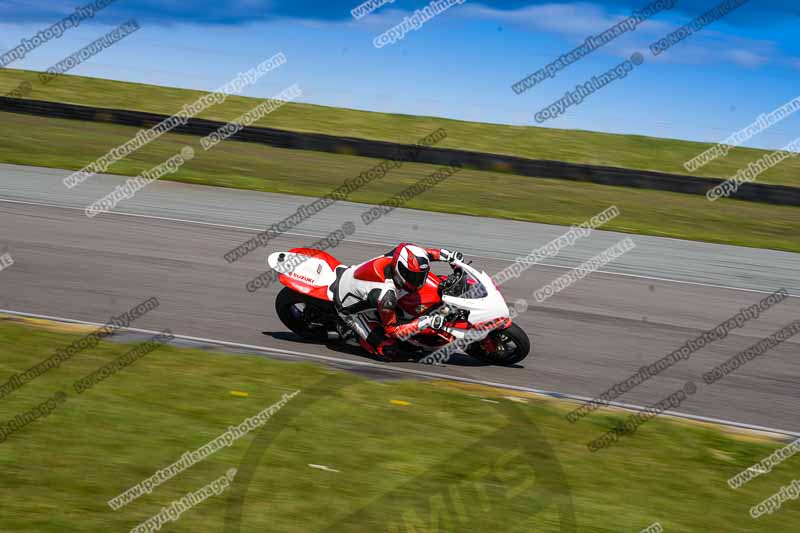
28 140
626 151
447 456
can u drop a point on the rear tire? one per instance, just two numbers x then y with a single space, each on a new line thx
516 347
296 311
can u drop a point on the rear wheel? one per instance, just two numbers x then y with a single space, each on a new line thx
305 316
512 346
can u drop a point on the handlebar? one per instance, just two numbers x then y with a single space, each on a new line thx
457 263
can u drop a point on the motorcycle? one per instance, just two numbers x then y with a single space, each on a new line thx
476 315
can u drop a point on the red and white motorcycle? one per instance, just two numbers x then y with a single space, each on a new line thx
476 315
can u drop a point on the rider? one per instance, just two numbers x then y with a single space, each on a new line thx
379 284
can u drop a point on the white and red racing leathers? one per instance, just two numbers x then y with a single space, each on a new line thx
367 299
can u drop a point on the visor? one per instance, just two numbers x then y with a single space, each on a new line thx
413 279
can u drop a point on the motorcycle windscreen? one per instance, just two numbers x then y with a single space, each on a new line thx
473 287
468 287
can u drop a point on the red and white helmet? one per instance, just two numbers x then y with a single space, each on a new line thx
410 267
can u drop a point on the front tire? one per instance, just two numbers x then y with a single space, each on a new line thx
304 315
514 347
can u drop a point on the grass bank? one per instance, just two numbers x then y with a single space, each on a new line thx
626 151
396 455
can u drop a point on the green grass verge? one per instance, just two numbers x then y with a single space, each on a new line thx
445 454
29 140
626 151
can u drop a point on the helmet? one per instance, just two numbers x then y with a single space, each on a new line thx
410 267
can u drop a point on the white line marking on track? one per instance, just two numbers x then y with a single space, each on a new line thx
411 371
257 230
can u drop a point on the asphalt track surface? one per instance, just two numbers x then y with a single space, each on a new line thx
170 239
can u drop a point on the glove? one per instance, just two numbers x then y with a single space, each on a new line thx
449 256
431 321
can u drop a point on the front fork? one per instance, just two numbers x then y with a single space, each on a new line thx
489 343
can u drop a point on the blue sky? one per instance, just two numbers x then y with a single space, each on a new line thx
461 64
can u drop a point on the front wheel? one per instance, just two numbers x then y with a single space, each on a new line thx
509 347
304 315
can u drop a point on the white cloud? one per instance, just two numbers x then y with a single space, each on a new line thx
710 46
577 21
566 19
747 58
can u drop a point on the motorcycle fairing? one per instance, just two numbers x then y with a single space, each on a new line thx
306 270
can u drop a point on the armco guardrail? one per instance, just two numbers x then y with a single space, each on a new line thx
642 179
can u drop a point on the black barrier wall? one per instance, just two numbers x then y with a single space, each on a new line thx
623 177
